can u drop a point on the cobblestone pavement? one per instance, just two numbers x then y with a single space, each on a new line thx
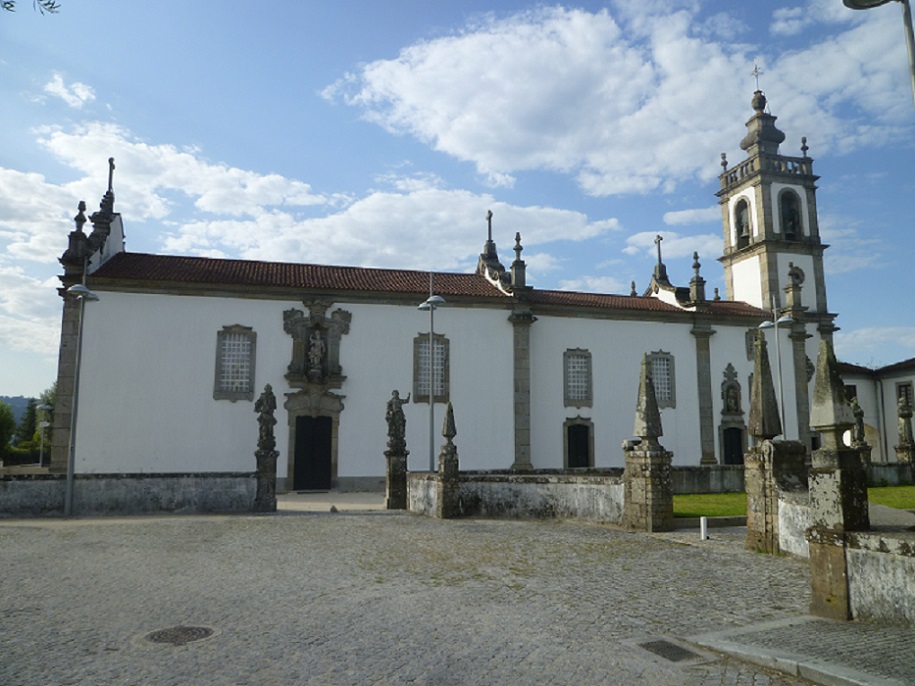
376 598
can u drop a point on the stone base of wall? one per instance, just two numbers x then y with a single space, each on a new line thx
881 576
128 494
596 498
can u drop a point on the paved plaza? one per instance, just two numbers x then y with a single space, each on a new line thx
374 597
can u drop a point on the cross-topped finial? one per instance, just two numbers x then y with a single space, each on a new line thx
804 147
756 72
489 224
657 242
110 174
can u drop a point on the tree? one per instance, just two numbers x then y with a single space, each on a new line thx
43 6
25 432
7 427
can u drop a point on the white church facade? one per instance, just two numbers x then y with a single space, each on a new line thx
176 350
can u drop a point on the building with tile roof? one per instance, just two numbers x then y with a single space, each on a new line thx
169 360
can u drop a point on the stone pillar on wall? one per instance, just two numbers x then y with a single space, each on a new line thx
770 467
648 504
448 502
838 491
703 333
521 320
798 336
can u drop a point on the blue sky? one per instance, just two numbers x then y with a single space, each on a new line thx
380 133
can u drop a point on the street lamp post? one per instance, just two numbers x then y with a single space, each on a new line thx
907 25
432 302
43 425
81 293
776 320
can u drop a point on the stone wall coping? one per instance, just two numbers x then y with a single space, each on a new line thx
132 475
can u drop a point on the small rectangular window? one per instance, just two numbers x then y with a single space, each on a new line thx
439 370
904 390
662 373
577 378
235 356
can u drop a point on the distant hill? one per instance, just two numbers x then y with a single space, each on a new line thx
18 403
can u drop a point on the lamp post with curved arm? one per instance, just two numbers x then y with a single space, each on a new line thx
906 20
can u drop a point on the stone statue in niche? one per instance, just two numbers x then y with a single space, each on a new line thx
315 344
316 350
857 436
730 392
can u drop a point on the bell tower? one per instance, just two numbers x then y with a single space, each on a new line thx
768 208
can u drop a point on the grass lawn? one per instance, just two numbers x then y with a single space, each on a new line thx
735 504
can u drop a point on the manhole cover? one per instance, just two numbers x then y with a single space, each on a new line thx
669 651
179 635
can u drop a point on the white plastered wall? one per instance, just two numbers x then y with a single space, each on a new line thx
146 396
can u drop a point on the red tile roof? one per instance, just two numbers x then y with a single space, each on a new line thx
206 271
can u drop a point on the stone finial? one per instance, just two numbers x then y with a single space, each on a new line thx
660 271
647 414
110 174
697 283
80 217
764 418
448 428
717 296
830 413
519 268
724 162
489 225
632 290
518 247
804 147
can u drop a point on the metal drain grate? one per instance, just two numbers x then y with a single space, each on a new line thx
179 635
669 651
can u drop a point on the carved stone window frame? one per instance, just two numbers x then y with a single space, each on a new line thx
905 388
422 369
666 392
224 358
572 398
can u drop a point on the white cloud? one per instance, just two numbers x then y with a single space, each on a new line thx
863 346
151 173
695 216
621 100
29 312
75 95
596 284
674 245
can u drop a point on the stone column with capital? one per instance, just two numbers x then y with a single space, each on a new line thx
266 453
905 450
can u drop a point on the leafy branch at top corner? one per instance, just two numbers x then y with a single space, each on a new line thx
43 6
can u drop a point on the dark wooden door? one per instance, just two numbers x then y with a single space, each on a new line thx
312 453
578 442
733 446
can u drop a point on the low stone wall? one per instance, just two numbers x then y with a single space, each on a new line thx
707 479
890 474
128 494
793 520
593 497
881 576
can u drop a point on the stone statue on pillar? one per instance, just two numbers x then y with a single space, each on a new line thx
905 450
266 453
396 454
